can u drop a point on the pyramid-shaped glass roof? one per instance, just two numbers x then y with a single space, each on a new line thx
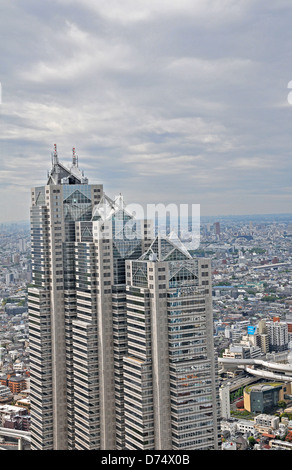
166 248
124 227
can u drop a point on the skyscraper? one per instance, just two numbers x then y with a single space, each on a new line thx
109 302
56 207
217 228
170 385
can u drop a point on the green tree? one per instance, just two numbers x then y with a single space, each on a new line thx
251 441
281 404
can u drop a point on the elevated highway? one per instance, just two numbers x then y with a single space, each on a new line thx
19 435
260 368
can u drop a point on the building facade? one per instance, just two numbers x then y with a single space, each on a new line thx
97 370
278 336
262 398
170 376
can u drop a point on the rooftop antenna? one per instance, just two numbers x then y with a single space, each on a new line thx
74 157
55 155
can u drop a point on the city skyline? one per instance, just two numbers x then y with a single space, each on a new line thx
192 96
249 287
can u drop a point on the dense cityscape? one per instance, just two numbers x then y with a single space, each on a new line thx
145 229
251 296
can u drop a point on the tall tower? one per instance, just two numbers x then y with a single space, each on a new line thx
121 332
77 310
170 371
99 327
55 208
217 228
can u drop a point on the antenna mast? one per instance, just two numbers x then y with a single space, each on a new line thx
74 157
55 155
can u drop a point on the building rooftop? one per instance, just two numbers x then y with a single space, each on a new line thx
59 174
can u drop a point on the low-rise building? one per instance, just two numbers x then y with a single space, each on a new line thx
5 394
278 444
14 417
266 424
16 383
262 397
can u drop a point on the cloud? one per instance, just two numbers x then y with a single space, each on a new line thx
139 10
162 100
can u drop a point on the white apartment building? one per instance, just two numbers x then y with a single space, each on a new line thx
224 393
278 336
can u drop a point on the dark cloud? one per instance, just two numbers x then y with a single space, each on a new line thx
164 101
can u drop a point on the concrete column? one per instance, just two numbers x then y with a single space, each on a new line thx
20 446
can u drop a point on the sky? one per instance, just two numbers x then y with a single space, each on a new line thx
165 101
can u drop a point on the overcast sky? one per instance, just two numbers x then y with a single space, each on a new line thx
165 101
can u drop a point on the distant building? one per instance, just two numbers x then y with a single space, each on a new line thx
15 258
9 279
278 336
267 424
262 337
289 326
224 394
14 417
12 309
280 445
217 228
229 445
15 383
261 398
263 342
237 351
5 393
22 245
